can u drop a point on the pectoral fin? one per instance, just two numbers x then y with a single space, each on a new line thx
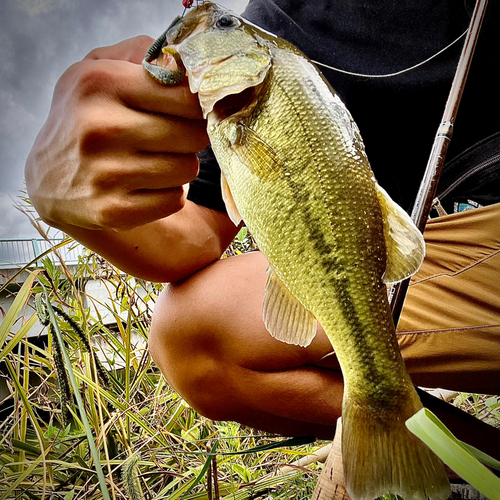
257 154
285 317
227 196
404 242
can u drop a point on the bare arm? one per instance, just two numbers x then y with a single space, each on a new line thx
165 250
110 163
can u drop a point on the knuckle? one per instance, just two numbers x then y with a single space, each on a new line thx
97 132
92 77
178 169
165 203
112 215
105 179
142 41
175 201
95 53
131 49
202 139
190 167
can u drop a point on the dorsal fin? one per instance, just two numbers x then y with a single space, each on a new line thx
404 242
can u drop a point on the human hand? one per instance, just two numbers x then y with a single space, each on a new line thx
117 146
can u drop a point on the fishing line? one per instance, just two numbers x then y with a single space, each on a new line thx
397 72
189 3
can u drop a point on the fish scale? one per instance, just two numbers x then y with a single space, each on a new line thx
295 170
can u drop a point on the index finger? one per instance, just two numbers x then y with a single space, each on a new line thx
137 88
131 50
133 86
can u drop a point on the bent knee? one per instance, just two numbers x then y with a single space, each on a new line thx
187 353
201 316
180 328
199 378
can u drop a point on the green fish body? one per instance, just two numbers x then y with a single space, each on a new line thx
294 169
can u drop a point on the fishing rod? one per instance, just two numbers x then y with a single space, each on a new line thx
427 191
330 484
452 415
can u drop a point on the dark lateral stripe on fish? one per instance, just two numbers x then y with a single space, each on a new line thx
340 281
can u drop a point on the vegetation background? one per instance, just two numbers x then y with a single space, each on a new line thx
89 416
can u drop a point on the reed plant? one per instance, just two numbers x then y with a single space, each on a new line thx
88 414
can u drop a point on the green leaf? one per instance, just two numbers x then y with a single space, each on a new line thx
188 487
242 234
27 405
482 457
192 434
243 472
296 441
33 262
425 425
15 309
21 445
266 483
224 489
18 336
493 402
19 480
81 407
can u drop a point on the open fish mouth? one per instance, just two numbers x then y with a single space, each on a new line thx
165 65
194 46
235 103
163 61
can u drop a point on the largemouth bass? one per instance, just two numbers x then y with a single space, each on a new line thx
294 169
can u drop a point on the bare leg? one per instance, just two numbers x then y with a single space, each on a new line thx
209 340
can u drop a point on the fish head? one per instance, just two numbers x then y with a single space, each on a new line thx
221 52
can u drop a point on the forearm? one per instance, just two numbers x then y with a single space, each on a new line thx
166 250
110 165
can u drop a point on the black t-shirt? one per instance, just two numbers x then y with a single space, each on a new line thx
398 116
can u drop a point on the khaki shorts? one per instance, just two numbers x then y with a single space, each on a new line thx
450 324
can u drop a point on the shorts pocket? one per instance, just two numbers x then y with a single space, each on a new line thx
472 179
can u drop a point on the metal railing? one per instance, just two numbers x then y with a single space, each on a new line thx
17 252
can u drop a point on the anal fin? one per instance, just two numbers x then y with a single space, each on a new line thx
284 316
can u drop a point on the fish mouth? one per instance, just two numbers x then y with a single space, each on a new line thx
234 103
163 61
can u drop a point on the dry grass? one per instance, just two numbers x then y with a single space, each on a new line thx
127 435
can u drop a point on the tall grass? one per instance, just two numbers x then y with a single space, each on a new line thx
90 416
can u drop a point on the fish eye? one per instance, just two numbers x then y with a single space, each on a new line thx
226 22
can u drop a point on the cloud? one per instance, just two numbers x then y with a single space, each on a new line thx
36 7
39 39
13 223
15 117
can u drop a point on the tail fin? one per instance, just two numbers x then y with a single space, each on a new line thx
382 456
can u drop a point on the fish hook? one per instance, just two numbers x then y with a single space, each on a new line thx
188 4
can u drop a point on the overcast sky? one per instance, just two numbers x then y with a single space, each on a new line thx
39 39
